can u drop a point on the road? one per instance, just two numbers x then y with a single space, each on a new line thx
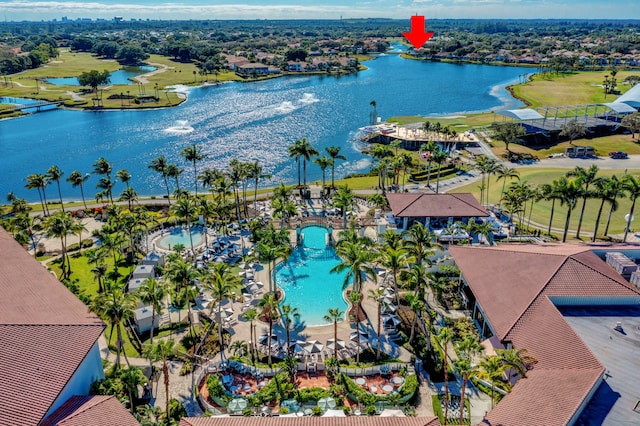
604 163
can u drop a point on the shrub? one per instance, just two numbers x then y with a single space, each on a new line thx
371 410
316 411
214 386
311 394
176 410
410 385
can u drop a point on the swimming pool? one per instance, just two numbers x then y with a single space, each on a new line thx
180 236
306 281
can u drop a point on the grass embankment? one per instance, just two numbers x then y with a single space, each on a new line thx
542 209
71 64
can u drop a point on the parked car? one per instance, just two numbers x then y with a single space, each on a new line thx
618 154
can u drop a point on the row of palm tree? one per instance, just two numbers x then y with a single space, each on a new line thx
302 151
577 187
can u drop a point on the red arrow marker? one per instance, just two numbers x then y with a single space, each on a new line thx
417 36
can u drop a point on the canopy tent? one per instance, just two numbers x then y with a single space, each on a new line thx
620 107
521 114
631 97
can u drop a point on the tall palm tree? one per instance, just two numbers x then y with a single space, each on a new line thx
429 149
602 192
355 299
174 172
487 166
323 162
570 193
517 360
251 316
465 370
55 174
269 311
356 262
124 176
182 275
61 225
115 307
77 179
468 347
153 292
551 193
585 177
617 191
256 172
421 243
268 253
377 295
334 315
185 209
129 195
235 174
439 157
132 377
159 164
395 260
492 369
632 187
193 154
416 304
162 350
344 200
283 209
295 151
307 151
39 182
505 172
288 314
221 281
445 336
334 153
103 168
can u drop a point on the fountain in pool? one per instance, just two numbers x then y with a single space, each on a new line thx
286 107
180 128
309 98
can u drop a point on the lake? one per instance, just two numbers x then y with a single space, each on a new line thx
256 120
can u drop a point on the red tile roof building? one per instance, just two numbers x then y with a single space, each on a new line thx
435 205
96 410
514 291
310 421
49 350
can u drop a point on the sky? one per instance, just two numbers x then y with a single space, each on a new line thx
35 10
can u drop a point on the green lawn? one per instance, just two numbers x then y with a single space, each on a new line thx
542 209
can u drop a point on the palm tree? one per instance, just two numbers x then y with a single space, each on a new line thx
585 177
129 195
504 172
288 313
377 296
173 171
78 179
334 315
61 225
235 174
192 154
617 191
132 377
268 253
421 243
185 209
323 162
334 153
220 280
569 192
465 370
344 200
602 192
487 166
55 174
124 176
153 292
295 151
429 149
115 307
283 209
395 260
517 360
445 336
492 369
251 316
631 184
355 299
255 172
439 157
159 164
103 167
39 182
416 304
182 275
269 305
356 261
162 350
307 151
550 191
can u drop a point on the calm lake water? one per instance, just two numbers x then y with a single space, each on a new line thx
257 120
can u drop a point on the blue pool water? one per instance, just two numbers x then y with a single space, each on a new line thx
120 76
180 236
306 281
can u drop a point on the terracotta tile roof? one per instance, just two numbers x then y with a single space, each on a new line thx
91 411
515 286
46 333
310 421
435 205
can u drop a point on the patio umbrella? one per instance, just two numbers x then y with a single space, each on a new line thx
313 347
331 344
388 308
298 346
391 319
264 339
363 336
237 404
254 287
224 312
